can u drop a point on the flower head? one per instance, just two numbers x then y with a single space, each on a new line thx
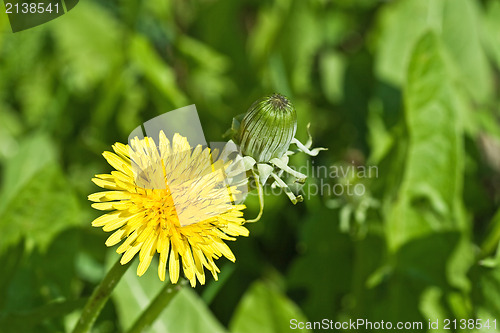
171 200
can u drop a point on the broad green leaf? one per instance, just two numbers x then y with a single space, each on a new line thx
10 261
57 266
427 213
418 277
264 309
186 312
36 320
429 196
424 259
455 22
36 201
397 37
133 294
461 38
36 290
32 156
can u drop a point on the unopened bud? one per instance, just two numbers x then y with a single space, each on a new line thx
267 128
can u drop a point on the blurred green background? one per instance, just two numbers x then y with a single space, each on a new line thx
409 86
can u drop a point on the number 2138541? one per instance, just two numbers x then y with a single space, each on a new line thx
31 8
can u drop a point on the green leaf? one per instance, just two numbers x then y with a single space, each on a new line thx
185 313
266 32
202 54
155 70
31 321
397 38
36 201
455 22
486 294
332 70
57 267
492 240
461 37
188 313
33 155
10 261
429 196
491 26
88 42
429 199
264 309
381 141
302 28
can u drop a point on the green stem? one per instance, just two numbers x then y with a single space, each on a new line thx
99 297
155 308
261 196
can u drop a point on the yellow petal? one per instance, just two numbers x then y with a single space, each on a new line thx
145 234
116 237
111 185
188 266
144 265
119 222
126 244
109 196
149 247
104 219
117 162
213 269
226 251
173 266
236 230
103 205
120 176
130 253
162 248
122 150
198 255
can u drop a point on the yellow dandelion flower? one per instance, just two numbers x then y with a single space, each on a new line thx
171 200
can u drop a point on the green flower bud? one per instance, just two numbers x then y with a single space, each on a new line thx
267 128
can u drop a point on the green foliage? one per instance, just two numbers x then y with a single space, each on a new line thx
430 192
186 312
265 309
35 190
407 86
